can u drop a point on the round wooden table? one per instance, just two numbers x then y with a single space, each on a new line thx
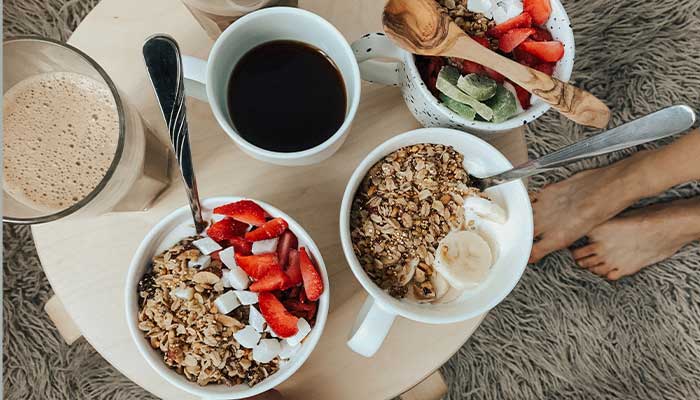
86 260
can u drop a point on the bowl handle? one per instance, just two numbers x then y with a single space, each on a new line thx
370 328
377 45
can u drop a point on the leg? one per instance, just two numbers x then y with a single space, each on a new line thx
568 210
634 240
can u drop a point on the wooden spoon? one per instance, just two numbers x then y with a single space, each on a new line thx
421 28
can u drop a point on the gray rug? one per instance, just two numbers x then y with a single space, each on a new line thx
562 333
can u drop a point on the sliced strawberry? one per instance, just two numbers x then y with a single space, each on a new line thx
287 242
241 246
512 39
274 280
302 310
268 230
276 315
429 68
482 41
523 20
547 68
259 265
293 270
313 284
541 35
226 228
545 51
540 10
523 96
245 211
525 58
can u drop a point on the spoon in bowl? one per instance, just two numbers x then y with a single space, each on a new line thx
419 27
657 125
164 65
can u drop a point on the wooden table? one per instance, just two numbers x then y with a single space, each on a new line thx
86 260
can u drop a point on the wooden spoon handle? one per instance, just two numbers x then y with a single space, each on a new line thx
576 104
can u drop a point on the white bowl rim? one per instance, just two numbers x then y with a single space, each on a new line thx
382 298
144 348
525 117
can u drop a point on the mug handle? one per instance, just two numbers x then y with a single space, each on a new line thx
195 74
370 328
377 45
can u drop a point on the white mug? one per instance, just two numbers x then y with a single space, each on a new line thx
424 106
208 80
511 243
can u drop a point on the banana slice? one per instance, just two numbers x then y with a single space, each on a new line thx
486 208
463 258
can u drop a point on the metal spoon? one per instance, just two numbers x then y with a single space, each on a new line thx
657 125
164 65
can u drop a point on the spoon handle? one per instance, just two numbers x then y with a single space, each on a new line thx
164 65
657 125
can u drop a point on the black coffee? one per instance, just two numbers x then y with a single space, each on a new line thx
286 96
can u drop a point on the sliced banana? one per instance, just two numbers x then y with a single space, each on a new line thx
463 258
486 208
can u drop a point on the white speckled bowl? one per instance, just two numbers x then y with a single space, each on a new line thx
176 226
424 106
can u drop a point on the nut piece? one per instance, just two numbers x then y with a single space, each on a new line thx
205 277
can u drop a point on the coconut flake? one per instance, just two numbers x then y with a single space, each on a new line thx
304 329
265 246
266 350
233 277
206 245
246 297
256 320
227 302
183 293
288 350
247 337
481 6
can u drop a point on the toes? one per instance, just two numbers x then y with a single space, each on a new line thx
533 197
583 252
590 262
540 249
614 274
601 270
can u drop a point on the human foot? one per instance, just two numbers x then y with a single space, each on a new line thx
567 210
625 244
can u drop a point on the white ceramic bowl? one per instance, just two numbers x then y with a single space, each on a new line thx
512 241
425 107
169 231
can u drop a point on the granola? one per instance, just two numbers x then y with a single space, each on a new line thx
405 205
473 23
178 317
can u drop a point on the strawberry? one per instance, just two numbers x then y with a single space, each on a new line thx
258 266
287 242
313 284
523 96
523 20
226 228
274 280
538 9
547 68
245 211
541 35
429 68
482 41
276 315
241 246
268 230
546 51
302 310
512 39
293 270
523 57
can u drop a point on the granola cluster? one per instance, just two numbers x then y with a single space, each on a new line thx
475 24
178 316
404 206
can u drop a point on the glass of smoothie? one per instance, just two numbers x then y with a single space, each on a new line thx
72 144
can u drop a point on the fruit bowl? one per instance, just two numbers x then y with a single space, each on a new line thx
178 225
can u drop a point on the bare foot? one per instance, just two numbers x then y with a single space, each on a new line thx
626 244
568 210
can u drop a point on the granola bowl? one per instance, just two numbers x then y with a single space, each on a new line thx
509 241
165 236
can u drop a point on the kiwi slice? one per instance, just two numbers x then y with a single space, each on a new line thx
460 109
478 86
503 104
447 84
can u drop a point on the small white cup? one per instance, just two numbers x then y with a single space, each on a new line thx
512 242
424 106
208 80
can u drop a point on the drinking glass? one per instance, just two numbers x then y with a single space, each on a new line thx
216 15
139 171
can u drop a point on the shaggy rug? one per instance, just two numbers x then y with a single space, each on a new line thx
562 333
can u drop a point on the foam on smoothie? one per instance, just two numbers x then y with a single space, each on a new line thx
60 136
